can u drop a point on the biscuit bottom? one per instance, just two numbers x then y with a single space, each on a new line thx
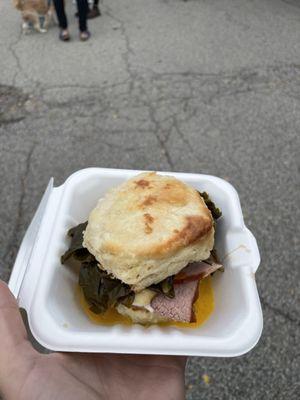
203 308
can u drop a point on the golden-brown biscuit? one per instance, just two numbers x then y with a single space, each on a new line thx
149 228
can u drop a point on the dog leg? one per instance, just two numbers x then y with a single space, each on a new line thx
25 27
52 15
46 22
38 28
37 24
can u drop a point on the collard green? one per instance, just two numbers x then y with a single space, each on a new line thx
215 211
165 287
101 290
76 250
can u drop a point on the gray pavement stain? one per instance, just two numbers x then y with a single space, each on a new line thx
239 122
12 104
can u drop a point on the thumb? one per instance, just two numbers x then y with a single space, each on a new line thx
16 352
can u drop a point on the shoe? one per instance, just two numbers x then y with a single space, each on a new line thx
84 36
64 35
94 12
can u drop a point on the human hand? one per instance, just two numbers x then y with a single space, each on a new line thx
26 374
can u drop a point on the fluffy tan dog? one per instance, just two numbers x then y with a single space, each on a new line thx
37 13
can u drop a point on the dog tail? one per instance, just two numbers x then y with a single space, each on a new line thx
18 4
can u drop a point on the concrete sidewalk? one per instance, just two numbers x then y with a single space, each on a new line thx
199 86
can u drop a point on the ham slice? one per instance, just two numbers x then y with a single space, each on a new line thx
197 270
180 308
186 282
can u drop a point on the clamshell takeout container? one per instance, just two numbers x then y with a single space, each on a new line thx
47 290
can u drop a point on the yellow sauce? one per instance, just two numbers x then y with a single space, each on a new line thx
203 308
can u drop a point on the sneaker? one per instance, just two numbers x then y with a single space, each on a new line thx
94 12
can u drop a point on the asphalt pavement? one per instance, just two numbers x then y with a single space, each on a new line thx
207 86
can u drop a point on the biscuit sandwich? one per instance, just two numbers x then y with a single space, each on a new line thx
144 249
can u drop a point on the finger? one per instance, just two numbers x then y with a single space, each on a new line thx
13 337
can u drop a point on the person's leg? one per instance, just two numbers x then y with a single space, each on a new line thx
60 12
82 14
94 11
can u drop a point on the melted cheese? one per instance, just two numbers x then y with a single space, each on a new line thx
203 308
143 298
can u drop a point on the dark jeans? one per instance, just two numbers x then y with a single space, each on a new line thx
61 15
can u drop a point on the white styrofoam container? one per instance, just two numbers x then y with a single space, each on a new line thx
57 320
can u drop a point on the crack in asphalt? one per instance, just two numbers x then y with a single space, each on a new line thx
12 49
182 136
147 102
12 243
293 3
202 87
12 120
161 142
214 85
280 312
128 48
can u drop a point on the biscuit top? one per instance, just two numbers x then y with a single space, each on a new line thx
150 215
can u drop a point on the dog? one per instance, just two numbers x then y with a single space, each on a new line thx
35 13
